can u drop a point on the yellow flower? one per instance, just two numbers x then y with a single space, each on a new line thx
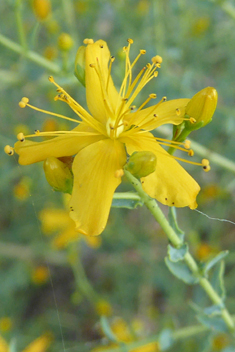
58 221
5 324
41 344
40 275
103 137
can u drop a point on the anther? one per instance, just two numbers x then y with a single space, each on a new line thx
112 58
177 111
157 59
191 152
187 144
192 120
155 74
37 132
164 98
130 41
142 52
24 101
51 79
92 65
8 150
124 49
153 96
119 173
205 162
20 137
155 115
133 107
101 46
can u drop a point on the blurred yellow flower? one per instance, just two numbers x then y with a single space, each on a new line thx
102 140
58 221
5 324
102 306
42 9
22 189
41 344
40 275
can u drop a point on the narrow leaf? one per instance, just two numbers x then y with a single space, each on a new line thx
181 271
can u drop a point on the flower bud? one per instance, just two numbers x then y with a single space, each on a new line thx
141 164
201 108
65 42
58 175
42 9
80 65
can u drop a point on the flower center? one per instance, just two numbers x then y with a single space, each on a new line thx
114 131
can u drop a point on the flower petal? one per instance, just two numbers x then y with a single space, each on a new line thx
94 184
98 54
171 111
66 145
170 184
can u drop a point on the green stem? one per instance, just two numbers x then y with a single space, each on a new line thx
153 207
81 280
126 195
20 26
31 55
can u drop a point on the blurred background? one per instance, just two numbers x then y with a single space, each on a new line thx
43 287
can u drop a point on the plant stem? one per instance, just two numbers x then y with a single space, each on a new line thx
20 26
153 207
31 55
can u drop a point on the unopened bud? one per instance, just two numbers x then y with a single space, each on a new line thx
80 65
58 175
201 108
141 164
65 42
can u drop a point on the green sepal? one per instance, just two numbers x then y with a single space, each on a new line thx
181 271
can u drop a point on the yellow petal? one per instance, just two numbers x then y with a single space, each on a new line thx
3 345
66 145
94 184
170 184
41 344
171 111
98 54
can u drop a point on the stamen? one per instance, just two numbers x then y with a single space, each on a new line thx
23 104
191 152
192 120
20 136
24 101
9 150
151 96
187 144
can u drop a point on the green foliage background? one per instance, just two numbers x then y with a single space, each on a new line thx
196 41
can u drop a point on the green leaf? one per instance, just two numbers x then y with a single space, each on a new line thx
177 254
181 271
213 322
131 201
217 280
213 310
172 217
212 262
